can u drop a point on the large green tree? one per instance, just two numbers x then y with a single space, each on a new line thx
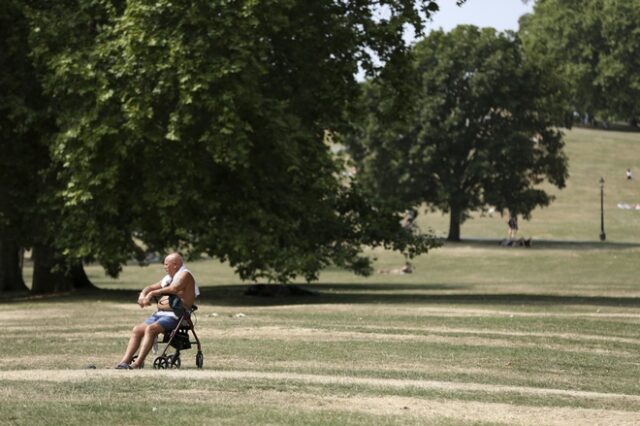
595 46
29 212
475 125
201 125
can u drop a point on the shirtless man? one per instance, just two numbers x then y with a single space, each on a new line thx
179 282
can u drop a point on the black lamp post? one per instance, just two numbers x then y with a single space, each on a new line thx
603 236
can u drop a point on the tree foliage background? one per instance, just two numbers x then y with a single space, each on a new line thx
475 125
595 46
200 125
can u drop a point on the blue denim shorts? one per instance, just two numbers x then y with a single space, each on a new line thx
165 321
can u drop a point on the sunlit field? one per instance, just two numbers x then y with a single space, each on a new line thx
478 334
575 213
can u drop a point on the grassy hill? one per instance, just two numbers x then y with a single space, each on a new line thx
575 213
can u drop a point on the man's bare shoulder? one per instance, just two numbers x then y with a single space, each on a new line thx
183 280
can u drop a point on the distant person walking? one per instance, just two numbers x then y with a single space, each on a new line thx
629 176
513 227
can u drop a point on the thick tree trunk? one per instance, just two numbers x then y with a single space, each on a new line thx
454 224
50 273
10 269
79 278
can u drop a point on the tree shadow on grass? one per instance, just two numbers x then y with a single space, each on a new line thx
548 244
336 293
612 127
403 294
410 294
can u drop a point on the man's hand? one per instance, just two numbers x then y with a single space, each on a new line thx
144 300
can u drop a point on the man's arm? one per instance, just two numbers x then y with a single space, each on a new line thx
178 285
142 297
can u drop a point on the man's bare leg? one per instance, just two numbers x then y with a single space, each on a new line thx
134 342
150 335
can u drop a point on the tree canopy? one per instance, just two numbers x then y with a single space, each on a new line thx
595 46
475 125
201 125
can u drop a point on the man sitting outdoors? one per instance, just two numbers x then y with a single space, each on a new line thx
176 291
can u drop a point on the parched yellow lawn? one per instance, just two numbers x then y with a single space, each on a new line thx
401 408
434 347
478 334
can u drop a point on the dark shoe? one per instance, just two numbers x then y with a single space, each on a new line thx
123 366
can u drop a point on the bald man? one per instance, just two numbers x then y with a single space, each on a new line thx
178 282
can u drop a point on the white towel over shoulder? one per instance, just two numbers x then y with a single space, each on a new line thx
167 280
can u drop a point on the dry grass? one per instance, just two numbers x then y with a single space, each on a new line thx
479 334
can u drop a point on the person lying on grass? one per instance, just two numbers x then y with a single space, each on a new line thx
175 293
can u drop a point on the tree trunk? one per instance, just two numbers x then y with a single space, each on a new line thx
10 271
50 274
79 278
454 224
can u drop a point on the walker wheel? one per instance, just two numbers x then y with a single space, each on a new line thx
199 360
173 361
161 363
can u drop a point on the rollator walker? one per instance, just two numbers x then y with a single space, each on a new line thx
179 339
